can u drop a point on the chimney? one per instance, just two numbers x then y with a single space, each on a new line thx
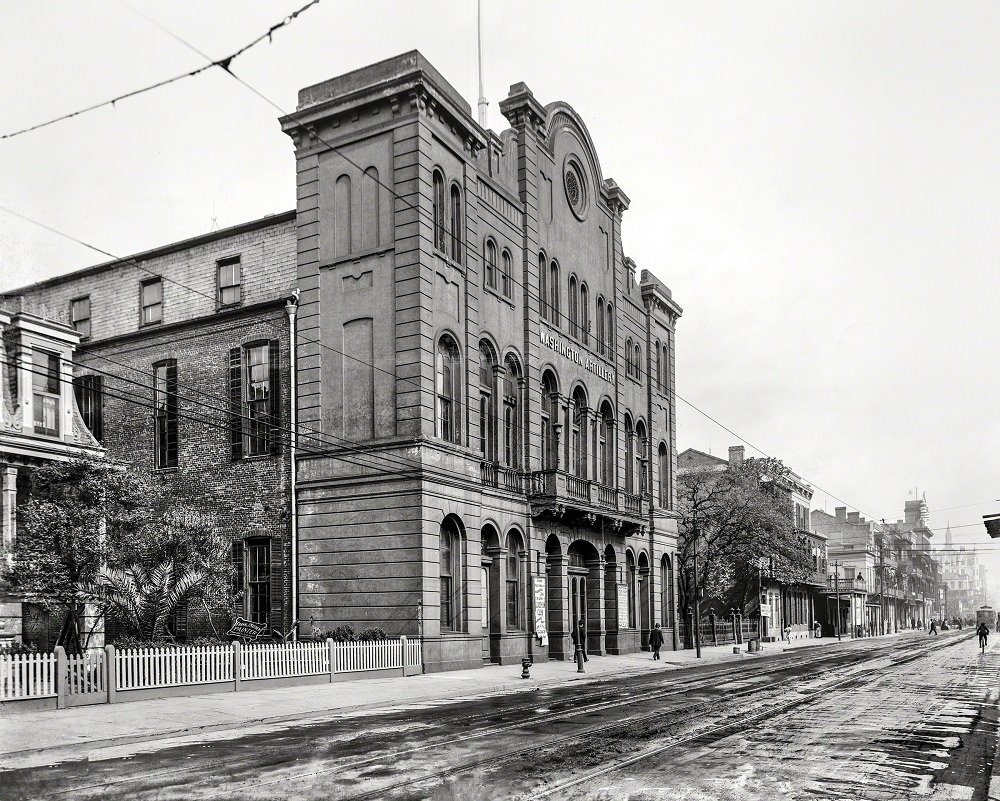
841 512
736 454
852 517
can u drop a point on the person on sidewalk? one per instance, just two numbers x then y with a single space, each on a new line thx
933 628
656 641
579 638
787 635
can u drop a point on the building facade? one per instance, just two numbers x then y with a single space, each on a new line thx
180 369
496 379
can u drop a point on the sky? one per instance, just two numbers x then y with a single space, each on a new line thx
818 184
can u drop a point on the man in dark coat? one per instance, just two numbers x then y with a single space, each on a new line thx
655 641
579 638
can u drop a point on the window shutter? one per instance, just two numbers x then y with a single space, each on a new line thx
274 396
172 412
238 573
236 403
98 401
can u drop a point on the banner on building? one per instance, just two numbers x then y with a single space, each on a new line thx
623 606
541 627
246 629
765 610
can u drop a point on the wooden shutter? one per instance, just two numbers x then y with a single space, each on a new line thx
98 407
274 432
173 444
236 403
238 571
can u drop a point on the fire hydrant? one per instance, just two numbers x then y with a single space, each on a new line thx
525 664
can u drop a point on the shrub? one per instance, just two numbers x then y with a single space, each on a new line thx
18 649
343 634
373 635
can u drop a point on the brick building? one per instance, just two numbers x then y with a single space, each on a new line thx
182 371
473 334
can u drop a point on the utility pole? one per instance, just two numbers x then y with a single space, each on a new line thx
881 583
836 581
697 600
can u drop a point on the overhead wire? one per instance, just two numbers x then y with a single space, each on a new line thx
469 249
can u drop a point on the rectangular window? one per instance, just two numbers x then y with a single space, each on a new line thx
165 414
80 315
259 581
230 282
151 300
254 398
45 392
89 399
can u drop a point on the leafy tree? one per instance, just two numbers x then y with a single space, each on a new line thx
94 534
741 517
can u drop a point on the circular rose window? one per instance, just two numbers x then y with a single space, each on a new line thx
576 188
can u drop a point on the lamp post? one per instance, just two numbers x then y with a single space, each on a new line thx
836 581
697 600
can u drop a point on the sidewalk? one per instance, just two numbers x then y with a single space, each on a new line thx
41 737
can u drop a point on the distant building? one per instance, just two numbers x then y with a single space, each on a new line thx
963 579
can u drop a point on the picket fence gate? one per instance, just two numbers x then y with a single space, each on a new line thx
110 675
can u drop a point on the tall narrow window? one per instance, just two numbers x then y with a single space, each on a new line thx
655 370
554 306
456 224
665 373
438 198
505 275
490 265
449 391
629 456
600 326
258 577
640 457
254 377
450 550
45 387
574 303
543 288
584 314
628 357
487 402
80 315
230 281
165 414
607 446
638 362
550 418
580 424
151 299
514 604
609 326
664 470
512 413
89 399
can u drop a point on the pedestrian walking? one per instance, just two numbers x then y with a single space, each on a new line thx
787 635
933 628
580 639
655 641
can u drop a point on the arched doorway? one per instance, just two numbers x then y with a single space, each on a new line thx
645 585
586 592
489 584
611 568
556 599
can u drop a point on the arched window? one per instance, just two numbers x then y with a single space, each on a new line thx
512 413
637 369
580 420
609 325
655 369
450 549
665 373
449 391
371 235
487 401
574 303
490 265
629 456
505 282
663 461
456 224
628 357
584 314
600 326
633 587
606 445
550 418
543 288
342 204
438 199
515 601
640 456
554 306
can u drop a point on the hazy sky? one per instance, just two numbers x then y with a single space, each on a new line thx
818 183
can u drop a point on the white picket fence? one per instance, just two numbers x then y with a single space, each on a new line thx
359 656
143 668
279 661
27 676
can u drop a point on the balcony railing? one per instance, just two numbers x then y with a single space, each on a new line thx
633 504
588 496
500 477
578 488
607 497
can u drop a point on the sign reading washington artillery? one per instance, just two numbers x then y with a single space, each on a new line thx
577 356
246 629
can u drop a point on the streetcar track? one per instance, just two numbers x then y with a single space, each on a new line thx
678 688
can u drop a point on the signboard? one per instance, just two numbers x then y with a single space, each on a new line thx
765 610
623 606
246 629
539 592
576 356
